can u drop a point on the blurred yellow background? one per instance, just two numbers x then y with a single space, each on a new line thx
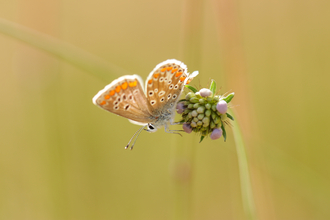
61 157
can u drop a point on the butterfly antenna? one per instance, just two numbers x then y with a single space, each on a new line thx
136 134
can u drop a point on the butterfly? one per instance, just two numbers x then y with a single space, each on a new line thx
152 106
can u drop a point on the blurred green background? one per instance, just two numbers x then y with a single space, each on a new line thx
63 158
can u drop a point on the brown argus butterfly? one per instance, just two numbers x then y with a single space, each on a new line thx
153 108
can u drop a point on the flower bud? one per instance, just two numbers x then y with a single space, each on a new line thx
195 119
179 111
194 100
214 107
206 120
217 120
202 101
209 99
223 117
194 113
205 125
191 106
222 106
213 115
200 116
216 133
187 128
212 125
193 124
199 123
189 115
189 95
208 112
201 109
180 108
208 105
186 111
196 106
216 98
205 92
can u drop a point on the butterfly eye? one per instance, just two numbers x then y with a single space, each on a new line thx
151 128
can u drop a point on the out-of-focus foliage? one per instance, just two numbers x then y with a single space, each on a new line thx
63 158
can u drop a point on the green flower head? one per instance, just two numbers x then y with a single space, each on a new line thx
205 112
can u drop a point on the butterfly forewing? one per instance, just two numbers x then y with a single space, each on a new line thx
164 84
125 97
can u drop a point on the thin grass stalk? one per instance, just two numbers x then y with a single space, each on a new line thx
65 51
246 188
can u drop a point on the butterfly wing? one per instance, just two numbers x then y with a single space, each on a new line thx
165 84
125 97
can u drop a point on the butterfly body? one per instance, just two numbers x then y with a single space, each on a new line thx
152 106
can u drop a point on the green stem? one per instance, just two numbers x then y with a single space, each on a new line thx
62 50
246 188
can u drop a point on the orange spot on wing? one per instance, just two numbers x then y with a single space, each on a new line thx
112 92
182 78
174 70
189 80
102 103
117 89
169 68
163 70
178 74
150 81
132 84
106 97
156 75
124 85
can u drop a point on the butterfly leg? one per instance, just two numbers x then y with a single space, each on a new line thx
177 123
172 131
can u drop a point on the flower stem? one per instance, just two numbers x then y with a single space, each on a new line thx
246 188
62 50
